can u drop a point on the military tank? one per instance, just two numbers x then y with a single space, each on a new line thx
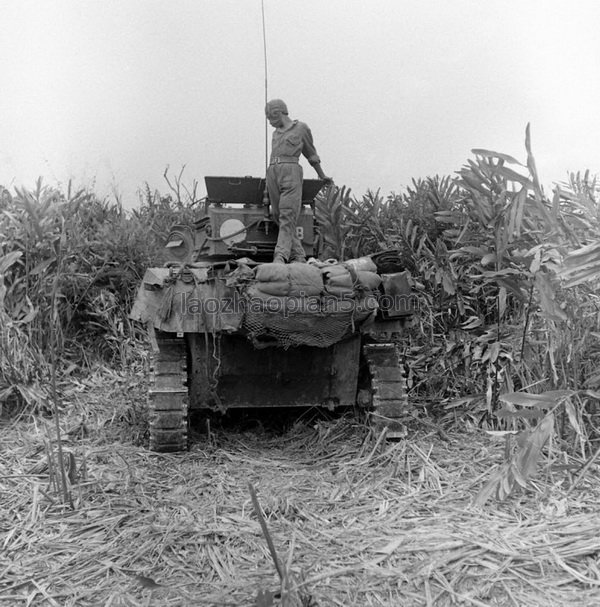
228 329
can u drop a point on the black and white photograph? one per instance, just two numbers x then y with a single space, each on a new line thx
298 303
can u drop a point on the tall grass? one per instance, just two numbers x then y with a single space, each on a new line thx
508 279
103 253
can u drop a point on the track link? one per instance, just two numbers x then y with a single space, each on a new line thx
168 395
388 388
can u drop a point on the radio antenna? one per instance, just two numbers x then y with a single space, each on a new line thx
262 6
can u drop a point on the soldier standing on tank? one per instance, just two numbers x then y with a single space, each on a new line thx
284 177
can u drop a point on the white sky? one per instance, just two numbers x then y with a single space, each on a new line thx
112 91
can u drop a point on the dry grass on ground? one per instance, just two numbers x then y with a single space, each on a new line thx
355 521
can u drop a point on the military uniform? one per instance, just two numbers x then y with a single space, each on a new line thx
284 184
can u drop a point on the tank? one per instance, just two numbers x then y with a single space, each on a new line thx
228 329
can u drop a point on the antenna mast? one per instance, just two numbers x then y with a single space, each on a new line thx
262 5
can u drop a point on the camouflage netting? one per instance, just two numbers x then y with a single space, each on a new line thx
311 321
315 304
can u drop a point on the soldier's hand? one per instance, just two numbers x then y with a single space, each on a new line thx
327 180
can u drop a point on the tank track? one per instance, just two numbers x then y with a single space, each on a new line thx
168 395
389 397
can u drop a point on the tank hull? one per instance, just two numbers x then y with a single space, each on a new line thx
228 372
217 373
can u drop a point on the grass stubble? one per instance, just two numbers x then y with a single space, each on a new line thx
355 520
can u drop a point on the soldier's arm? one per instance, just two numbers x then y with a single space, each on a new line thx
321 174
310 152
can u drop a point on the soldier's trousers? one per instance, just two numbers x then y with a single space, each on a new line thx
284 184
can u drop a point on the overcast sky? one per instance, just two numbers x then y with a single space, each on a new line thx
110 92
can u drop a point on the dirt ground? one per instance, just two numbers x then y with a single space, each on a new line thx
355 521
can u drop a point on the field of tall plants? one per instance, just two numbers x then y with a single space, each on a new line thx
507 336
503 352
69 267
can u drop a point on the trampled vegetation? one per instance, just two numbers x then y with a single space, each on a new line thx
506 340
